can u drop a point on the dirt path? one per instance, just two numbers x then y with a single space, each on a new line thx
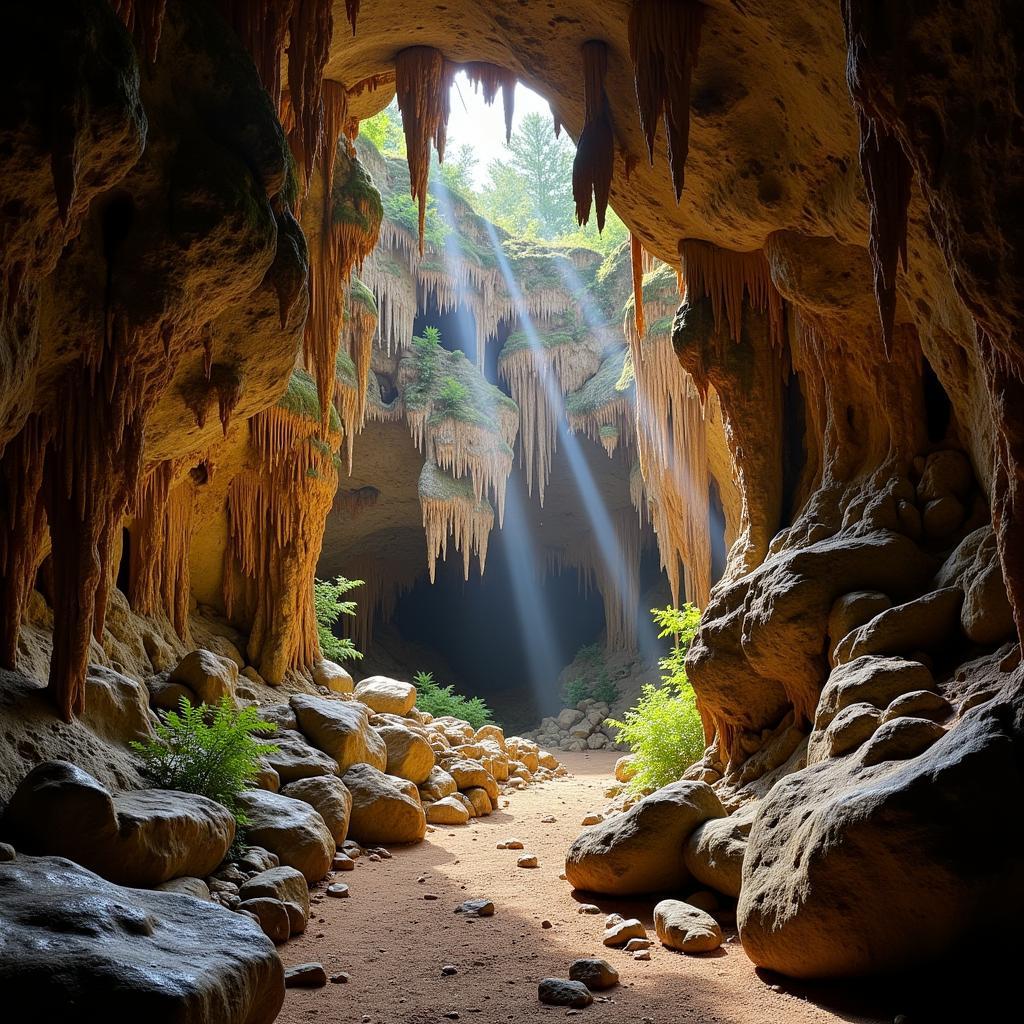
393 941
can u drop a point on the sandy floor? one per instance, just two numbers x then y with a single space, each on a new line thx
393 941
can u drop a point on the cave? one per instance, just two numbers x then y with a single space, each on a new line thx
486 484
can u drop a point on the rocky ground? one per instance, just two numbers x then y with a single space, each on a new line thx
408 958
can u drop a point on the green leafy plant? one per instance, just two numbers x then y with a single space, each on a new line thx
440 700
329 605
452 398
210 751
605 690
574 691
664 729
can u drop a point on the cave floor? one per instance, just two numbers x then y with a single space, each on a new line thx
393 941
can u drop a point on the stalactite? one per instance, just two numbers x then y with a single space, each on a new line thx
636 261
664 37
144 20
310 29
490 78
352 10
262 29
724 276
594 163
159 576
450 509
384 582
276 517
350 399
22 527
423 80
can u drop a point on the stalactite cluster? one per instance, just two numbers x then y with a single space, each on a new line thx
350 395
385 581
664 38
423 79
490 78
161 538
725 277
144 19
310 29
595 152
276 515
451 509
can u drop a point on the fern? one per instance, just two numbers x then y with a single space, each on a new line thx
209 751
443 700
329 606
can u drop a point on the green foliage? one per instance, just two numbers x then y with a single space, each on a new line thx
212 752
456 173
401 208
426 353
574 691
302 399
384 130
596 684
439 700
664 729
452 398
329 604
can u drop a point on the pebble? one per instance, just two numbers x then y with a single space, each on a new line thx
637 944
341 978
476 908
310 975
528 860
621 932
343 862
588 908
545 924
431 896
6 852
339 890
596 974
449 969
451 1016
642 954
563 992
593 818
548 819
513 844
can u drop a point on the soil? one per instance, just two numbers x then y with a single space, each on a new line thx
393 939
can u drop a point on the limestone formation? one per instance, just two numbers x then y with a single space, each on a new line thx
340 729
327 795
290 828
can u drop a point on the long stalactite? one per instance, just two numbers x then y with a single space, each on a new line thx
310 29
490 78
594 164
664 39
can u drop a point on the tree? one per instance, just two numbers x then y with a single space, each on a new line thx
384 130
531 193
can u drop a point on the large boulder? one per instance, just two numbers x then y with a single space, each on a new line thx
341 729
386 695
332 676
383 808
291 829
641 850
854 868
210 676
329 797
714 852
410 756
437 785
870 680
78 948
116 707
142 837
295 758
285 884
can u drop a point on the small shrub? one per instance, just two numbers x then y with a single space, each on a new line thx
605 690
329 606
664 729
209 751
574 691
443 700
452 398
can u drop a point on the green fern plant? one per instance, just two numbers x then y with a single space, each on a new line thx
329 605
664 728
443 700
210 751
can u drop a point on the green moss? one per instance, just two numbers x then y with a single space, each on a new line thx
355 199
437 485
302 399
628 377
601 389
345 369
359 294
564 329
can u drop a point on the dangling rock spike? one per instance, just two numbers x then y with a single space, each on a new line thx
594 164
423 79
664 37
310 29
491 78
352 10
636 251
144 19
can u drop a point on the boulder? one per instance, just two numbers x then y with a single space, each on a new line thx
295 758
116 707
625 768
284 884
340 729
291 829
853 610
142 837
900 739
562 992
847 731
437 785
409 755
641 850
618 933
467 773
491 732
855 869
986 616
447 811
595 973
194 887
714 852
210 676
272 916
871 680
331 675
383 811
386 695
919 704
128 954
327 795
167 696
480 800
686 928
280 715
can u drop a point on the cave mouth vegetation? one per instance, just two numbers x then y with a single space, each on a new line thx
510 509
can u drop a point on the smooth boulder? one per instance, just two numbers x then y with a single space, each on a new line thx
409 755
210 676
142 837
332 676
329 797
341 729
386 696
79 948
641 850
294 758
686 928
291 829
383 811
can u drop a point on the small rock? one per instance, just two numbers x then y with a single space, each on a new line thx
683 927
310 975
548 819
448 970
339 890
451 1016
563 992
342 862
431 896
588 908
634 945
619 934
476 908
513 844
595 973
501 846
6 852
341 978
528 860
593 818
642 954
545 924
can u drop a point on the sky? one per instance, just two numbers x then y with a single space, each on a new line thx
473 123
